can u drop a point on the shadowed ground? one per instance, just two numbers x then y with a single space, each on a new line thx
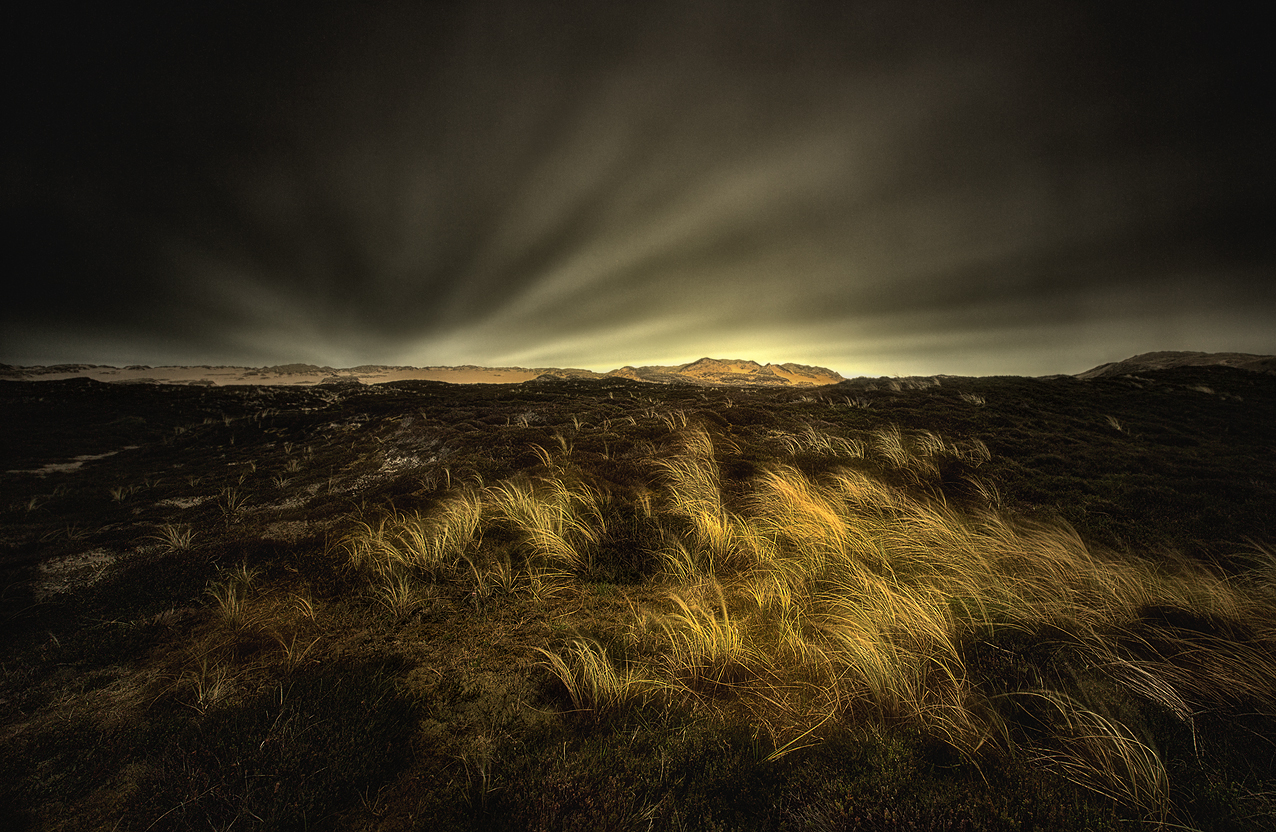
948 603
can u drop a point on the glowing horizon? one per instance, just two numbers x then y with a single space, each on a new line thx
876 188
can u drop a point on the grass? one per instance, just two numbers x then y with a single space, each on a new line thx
593 682
557 521
844 597
210 683
827 610
705 647
174 537
233 596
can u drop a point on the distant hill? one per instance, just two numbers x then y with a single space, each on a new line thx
709 372
705 371
732 372
1166 360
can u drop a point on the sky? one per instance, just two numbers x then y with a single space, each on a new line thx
885 187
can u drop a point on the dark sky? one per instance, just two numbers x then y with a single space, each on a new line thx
882 187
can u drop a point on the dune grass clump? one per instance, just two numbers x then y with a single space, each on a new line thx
869 598
210 683
857 594
173 537
557 520
811 441
233 594
706 646
437 540
693 493
411 541
593 681
548 526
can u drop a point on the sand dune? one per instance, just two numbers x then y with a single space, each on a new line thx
1166 360
706 371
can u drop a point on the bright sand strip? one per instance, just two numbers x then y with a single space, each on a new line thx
225 376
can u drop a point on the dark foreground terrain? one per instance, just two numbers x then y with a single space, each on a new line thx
997 603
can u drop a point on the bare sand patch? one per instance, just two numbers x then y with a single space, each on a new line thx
69 572
183 502
62 467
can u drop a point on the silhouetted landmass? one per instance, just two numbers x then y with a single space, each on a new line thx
1169 360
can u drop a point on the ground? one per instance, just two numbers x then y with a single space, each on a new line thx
998 603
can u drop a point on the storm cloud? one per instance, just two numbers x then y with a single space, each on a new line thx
878 187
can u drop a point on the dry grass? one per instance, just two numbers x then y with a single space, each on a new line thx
593 682
557 519
233 594
811 441
694 494
625 611
1103 755
210 683
706 647
805 599
870 594
399 594
439 539
174 537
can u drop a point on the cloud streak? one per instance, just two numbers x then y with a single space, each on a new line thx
880 187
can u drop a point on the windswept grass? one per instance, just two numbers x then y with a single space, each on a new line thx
437 540
807 598
918 456
544 607
707 647
592 680
232 594
861 598
557 521
812 441
1100 754
694 494
868 598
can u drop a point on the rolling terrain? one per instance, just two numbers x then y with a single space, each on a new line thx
584 602
705 371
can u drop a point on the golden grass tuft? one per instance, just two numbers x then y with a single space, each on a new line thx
694 493
707 647
864 596
803 599
233 595
558 519
593 681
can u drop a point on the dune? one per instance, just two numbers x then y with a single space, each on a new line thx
1149 361
705 371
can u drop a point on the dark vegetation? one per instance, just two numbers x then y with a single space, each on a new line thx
612 605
